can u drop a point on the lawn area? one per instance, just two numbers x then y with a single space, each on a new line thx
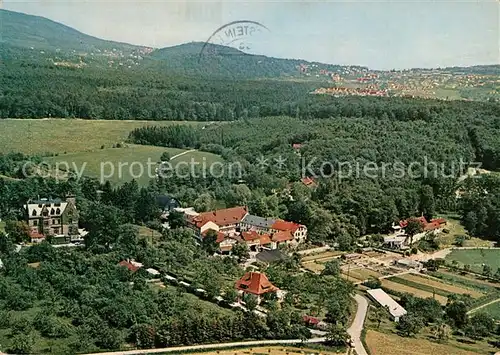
314 267
493 310
391 344
455 228
476 258
438 285
131 158
149 234
67 135
398 287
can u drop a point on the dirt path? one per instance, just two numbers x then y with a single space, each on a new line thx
482 306
181 154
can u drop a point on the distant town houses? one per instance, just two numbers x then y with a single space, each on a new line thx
236 224
53 217
400 240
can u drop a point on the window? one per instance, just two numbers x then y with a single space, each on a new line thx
45 213
35 222
33 213
58 211
53 221
45 223
56 230
52 211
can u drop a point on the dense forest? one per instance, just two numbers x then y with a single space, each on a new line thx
419 150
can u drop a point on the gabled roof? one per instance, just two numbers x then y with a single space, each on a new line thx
255 283
257 221
36 235
220 236
222 217
308 181
404 223
131 265
265 239
281 225
250 236
282 236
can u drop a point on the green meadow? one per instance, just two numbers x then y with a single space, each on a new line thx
56 136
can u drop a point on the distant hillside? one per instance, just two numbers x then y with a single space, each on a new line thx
27 31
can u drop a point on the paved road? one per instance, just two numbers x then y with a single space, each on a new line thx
358 323
215 346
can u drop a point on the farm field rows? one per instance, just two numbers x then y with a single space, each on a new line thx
362 274
435 283
392 344
414 291
476 258
67 135
466 280
322 257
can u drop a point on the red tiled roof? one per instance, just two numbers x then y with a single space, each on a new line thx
438 220
265 239
255 283
285 226
310 320
36 235
432 226
296 145
308 181
129 265
222 217
250 236
282 236
220 236
404 223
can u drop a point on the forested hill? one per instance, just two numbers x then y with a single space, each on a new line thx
40 41
27 31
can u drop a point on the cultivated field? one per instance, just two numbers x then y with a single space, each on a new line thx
476 258
321 257
67 135
362 274
132 159
391 285
392 344
438 285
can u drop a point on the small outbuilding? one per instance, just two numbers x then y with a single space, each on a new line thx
384 300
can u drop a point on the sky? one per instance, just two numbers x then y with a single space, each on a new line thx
391 34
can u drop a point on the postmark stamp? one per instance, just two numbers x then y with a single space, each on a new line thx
240 35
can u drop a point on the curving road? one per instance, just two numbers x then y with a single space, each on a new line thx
357 325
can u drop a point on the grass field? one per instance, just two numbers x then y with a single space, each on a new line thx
2 226
105 164
455 228
314 267
67 135
438 285
391 344
476 258
362 274
493 310
466 280
391 285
